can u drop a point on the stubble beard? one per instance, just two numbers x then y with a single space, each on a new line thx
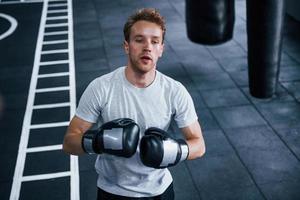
139 68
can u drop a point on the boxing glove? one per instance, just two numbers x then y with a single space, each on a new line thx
159 150
118 137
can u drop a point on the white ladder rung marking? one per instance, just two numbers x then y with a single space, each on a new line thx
55 51
56 25
54 62
53 75
53 105
54 89
56 33
44 148
49 125
57 5
58 11
55 42
58 17
46 176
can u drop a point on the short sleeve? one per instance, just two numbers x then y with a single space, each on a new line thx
89 107
185 113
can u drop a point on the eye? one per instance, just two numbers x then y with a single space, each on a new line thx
139 40
155 41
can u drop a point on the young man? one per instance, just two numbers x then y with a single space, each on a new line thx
134 105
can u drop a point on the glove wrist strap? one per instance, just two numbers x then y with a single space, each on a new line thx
87 143
184 150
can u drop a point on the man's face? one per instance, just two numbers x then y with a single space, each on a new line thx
144 46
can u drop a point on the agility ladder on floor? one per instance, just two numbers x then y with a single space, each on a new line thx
53 12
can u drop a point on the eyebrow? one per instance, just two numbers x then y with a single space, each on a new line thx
141 36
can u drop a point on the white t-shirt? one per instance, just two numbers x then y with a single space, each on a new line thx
112 96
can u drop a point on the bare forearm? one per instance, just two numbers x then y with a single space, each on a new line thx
194 139
196 148
72 140
72 144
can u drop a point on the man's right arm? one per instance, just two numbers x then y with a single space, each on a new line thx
73 137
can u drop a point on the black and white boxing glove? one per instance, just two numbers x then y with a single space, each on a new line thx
159 150
118 137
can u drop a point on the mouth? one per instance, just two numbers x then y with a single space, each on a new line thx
146 58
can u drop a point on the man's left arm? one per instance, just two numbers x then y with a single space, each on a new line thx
194 139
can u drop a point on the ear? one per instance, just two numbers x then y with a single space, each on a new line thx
126 46
162 47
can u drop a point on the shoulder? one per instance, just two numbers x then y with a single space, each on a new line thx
169 83
106 79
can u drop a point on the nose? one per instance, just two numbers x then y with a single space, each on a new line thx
147 46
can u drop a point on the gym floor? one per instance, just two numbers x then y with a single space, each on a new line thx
51 51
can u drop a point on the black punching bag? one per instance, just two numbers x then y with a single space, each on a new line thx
264 31
210 21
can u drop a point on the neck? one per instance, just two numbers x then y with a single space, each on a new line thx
139 79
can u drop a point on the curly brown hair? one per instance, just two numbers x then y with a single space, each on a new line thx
147 14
